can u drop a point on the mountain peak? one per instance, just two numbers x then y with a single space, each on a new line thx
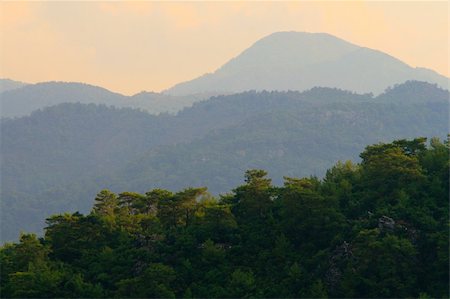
290 60
296 35
289 49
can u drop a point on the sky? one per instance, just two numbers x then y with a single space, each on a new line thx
130 46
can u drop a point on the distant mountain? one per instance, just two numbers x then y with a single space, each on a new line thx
29 98
281 61
22 101
57 159
300 61
8 84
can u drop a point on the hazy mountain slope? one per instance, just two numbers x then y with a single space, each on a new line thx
64 142
29 98
59 158
295 140
8 84
70 145
23 101
299 61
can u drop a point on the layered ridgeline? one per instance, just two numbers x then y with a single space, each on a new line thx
378 229
281 61
58 158
25 99
299 61
8 84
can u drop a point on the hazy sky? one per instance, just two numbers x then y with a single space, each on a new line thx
132 46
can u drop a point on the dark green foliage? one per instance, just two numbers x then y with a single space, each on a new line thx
377 229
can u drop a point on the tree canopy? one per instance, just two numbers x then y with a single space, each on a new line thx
374 229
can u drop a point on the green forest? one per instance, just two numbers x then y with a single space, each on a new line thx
57 159
378 228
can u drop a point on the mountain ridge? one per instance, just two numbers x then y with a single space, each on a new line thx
25 99
8 84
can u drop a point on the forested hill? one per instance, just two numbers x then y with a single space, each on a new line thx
58 158
378 229
68 141
287 134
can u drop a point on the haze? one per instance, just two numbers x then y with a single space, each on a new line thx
132 46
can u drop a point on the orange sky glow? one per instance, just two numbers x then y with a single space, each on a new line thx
129 46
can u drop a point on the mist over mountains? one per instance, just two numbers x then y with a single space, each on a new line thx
57 159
